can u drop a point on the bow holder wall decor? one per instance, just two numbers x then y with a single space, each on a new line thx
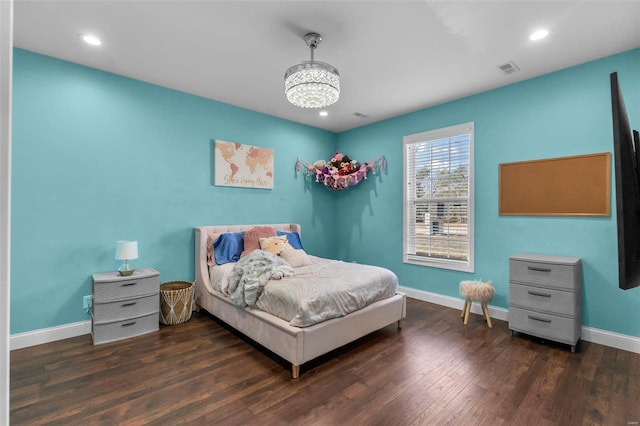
340 172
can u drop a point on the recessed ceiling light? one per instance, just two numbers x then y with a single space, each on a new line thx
538 35
323 113
90 39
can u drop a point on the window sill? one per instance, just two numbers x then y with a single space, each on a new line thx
440 263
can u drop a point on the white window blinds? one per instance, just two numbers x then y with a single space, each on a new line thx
438 198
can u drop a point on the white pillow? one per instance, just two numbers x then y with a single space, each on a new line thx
219 276
296 257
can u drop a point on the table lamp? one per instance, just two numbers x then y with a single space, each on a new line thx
126 250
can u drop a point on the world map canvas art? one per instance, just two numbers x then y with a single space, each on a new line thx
243 165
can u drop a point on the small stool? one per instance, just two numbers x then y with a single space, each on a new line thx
476 291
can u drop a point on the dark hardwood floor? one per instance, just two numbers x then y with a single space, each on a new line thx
433 371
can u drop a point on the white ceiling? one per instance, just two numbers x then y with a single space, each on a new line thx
393 56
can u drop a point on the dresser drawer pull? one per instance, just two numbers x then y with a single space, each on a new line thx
535 293
128 284
133 323
539 319
125 305
531 268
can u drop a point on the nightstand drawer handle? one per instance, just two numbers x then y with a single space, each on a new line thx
124 305
539 319
128 284
535 293
531 268
133 323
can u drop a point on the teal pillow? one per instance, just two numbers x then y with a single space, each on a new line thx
227 247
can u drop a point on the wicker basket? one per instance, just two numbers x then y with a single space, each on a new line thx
176 298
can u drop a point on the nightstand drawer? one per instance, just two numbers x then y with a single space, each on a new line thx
108 332
552 327
126 288
544 274
543 299
133 307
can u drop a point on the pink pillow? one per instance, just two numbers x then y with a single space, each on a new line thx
252 238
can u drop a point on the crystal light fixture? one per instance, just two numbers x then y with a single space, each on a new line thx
312 84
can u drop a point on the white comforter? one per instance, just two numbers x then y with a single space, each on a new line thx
326 289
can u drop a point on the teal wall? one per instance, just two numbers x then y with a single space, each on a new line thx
98 157
559 114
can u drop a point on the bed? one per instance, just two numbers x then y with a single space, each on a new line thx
295 344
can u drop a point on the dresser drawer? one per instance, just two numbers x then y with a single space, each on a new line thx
544 274
133 307
125 289
543 299
552 327
108 332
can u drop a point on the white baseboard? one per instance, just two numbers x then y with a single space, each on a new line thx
609 338
595 335
47 335
452 302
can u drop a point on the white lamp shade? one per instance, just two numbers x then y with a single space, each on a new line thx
126 250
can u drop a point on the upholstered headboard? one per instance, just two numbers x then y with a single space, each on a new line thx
207 234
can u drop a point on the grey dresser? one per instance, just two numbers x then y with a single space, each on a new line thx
125 307
545 297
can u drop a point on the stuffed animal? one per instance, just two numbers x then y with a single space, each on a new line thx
275 244
342 163
319 164
336 160
345 169
335 163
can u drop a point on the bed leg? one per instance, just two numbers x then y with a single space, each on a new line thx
197 307
400 323
295 371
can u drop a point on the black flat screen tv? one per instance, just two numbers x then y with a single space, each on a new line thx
626 152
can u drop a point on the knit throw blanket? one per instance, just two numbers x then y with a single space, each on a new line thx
252 272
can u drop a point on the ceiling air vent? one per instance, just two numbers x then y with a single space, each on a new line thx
509 68
361 115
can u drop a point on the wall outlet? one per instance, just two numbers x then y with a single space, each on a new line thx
86 303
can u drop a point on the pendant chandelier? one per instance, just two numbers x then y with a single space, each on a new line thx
312 84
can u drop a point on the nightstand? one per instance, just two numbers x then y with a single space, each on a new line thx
545 297
125 307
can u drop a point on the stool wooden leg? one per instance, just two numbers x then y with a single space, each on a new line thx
485 312
464 308
466 312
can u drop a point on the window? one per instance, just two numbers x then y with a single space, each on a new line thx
438 198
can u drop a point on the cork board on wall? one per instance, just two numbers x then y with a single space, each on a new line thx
564 186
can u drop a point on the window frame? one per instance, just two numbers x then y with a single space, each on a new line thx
409 211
